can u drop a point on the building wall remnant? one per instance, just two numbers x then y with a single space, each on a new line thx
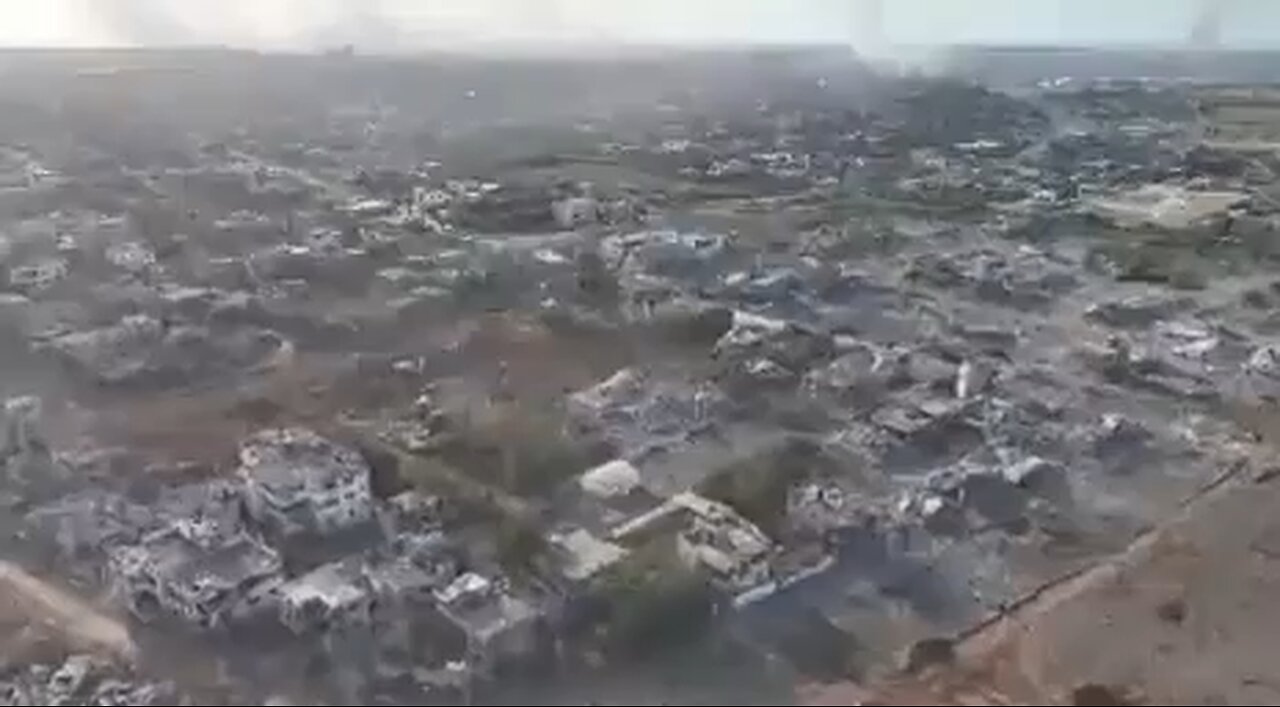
297 482
172 573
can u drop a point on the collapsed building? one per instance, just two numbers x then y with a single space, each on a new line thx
82 679
297 482
499 628
639 415
180 573
730 548
37 276
711 538
511 208
147 351
329 596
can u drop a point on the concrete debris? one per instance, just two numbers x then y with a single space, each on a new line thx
864 370
638 415
1137 311
1036 474
328 596
1192 341
665 253
770 287
730 548
37 276
615 478
83 681
819 508
414 510
766 369
1025 278
144 350
132 256
498 626
1265 360
176 573
298 482
786 345
89 523
584 555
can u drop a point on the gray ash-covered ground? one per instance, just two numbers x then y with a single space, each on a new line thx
443 380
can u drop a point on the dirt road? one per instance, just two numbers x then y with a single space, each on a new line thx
1185 616
35 613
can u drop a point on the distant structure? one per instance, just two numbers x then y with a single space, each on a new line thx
868 26
1206 33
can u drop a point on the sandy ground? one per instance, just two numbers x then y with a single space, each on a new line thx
38 619
1184 616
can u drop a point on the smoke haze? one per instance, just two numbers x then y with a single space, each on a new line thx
402 25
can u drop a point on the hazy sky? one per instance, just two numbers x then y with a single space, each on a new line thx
411 23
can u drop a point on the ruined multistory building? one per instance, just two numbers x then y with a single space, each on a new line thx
296 482
178 572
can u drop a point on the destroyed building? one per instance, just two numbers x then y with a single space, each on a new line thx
639 415
582 555
144 350
710 538
34 277
295 481
84 680
499 628
731 549
89 524
600 500
510 208
332 595
177 572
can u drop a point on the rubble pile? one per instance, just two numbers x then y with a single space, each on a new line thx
1025 278
82 681
639 415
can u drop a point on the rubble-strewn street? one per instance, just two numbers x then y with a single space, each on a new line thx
341 379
